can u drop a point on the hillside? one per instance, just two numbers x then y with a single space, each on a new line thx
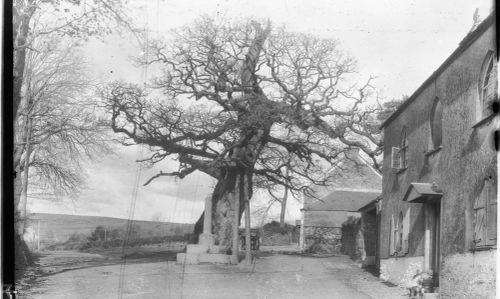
55 228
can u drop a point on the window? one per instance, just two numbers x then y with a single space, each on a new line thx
398 235
403 155
399 155
487 85
436 124
485 215
399 229
392 235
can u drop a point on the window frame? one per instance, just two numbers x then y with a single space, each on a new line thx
437 104
400 232
403 150
488 68
392 234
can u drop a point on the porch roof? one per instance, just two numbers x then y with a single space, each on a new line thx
423 192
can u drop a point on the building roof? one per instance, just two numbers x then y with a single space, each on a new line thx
341 200
352 173
372 205
463 45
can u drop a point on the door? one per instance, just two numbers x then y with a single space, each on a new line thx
435 247
432 239
436 242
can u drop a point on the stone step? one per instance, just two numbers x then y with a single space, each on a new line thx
216 249
196 258
188 259
196 248
206 239
214 258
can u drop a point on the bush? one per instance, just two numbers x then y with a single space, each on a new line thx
275 227
117 237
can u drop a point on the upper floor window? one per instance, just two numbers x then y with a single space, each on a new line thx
400 154
403 150
485 215
487 85
436 124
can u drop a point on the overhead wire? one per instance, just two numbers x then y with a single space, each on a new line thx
137 178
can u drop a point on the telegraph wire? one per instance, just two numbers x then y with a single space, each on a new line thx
135 190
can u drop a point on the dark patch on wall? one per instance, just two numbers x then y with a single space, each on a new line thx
472 145
426 167
350 230
395 183
457 82
369 228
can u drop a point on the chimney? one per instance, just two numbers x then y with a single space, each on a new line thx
476 20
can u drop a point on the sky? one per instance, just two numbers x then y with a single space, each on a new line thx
399 42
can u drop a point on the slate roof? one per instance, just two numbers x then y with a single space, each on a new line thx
341 200
353 173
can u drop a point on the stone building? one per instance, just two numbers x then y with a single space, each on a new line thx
438 207
335 211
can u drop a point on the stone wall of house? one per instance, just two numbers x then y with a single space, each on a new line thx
400 271
466 149
477 279
323 239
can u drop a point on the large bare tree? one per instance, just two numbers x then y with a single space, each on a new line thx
33 19
62 123
248 106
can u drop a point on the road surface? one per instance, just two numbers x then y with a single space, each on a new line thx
272 276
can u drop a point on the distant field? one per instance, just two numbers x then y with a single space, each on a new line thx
55 228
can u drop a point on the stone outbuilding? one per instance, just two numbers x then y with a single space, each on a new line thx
331 223
439 193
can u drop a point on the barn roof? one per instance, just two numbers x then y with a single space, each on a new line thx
341 200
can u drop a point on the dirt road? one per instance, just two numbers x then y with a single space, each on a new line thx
273 276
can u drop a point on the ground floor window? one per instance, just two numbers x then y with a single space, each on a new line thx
399 232
485 215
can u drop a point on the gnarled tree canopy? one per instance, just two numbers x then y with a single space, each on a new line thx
244 99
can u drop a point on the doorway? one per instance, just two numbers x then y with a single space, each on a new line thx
436 233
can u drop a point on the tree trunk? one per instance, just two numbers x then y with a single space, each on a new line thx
223 207
24 190
248 242
21 24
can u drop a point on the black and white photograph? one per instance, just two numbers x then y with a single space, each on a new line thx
255 149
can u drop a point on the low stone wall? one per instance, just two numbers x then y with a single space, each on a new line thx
276 238
469 275
400 270
323 239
